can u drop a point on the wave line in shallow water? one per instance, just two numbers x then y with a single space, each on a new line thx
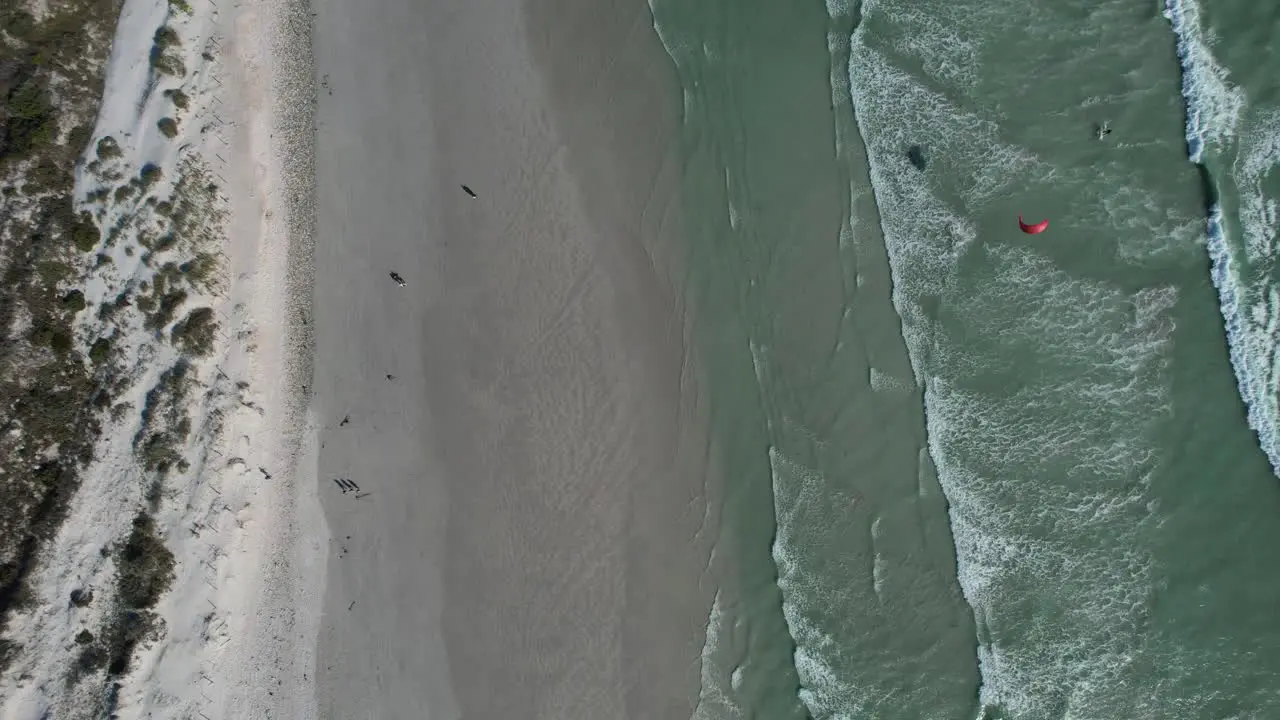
1242 272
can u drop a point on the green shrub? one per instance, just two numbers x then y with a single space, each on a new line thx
109 149
161 61
31 123
40 335
100 350
165 38
169 65
196 333
159 454
168 127
53 272
165 310
60 342
18 23
144 566
79 136
200 269
73 301
150 175
85 233
177 97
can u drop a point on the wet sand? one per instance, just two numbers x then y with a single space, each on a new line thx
529 536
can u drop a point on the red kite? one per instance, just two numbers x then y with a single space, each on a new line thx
1033 229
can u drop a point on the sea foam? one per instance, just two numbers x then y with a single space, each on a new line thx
1241 248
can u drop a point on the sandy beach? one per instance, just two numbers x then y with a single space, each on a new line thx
350 366
481 492
520 418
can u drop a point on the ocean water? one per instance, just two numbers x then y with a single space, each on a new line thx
971 472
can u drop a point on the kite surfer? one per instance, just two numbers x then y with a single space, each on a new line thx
915 154
399 280
1104 130
1033 229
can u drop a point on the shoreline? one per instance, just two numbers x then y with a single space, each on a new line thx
624 124
518 417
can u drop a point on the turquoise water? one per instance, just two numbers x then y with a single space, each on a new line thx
972 472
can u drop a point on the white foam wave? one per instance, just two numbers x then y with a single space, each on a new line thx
1259 155
1214 105
1243 272
814 588
944 52
1037 468
1251 338
1034 476
719 678
883 382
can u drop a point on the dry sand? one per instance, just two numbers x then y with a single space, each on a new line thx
530 536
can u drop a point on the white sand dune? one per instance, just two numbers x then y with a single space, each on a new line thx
236 641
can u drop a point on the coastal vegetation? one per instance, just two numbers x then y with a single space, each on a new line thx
144 573
51 82
63 374
163 58
178 98
173 230
168 127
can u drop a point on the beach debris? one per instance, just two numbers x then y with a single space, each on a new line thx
345 419
1035 229
468 191
399 280
915 154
